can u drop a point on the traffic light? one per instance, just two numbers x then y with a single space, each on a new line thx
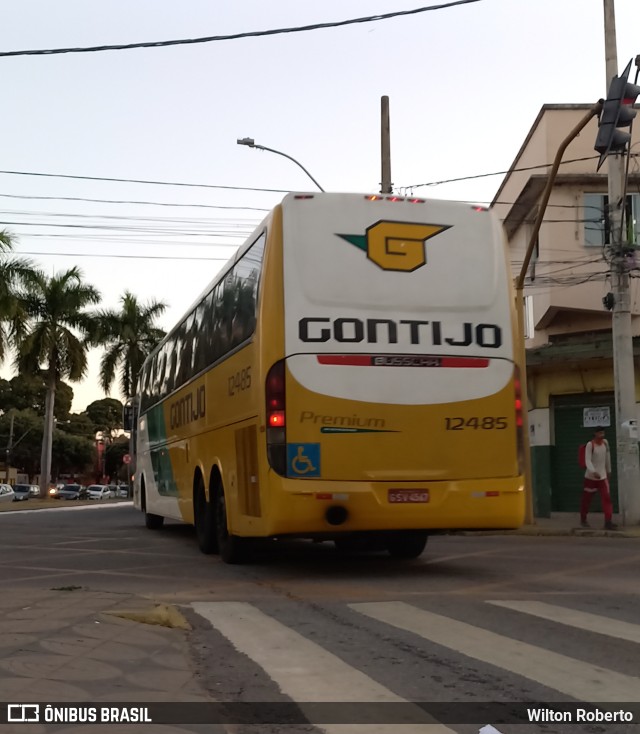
616 112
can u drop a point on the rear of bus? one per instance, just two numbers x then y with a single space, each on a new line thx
397 405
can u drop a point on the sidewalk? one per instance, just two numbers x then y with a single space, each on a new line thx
568 523
71 644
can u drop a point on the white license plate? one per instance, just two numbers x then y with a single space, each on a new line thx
409 496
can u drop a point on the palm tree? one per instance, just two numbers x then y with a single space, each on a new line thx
55 340
13 273
129 336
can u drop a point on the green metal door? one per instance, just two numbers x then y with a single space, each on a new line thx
569 434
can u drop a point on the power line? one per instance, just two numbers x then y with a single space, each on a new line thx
152 182
236 223
235 36
219 206
124 257
143 181
495 173
146 230
131 201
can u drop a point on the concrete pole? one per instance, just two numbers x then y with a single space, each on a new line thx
623 367
386 187
9 446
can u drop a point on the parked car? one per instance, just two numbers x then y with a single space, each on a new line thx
119 490
71 492
6 493
21 492
55 488
99 492
34 491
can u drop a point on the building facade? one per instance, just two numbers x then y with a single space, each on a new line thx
570 380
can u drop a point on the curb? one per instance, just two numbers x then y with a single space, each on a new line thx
535 531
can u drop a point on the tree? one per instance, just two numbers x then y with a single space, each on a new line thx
114 466
74 455
106 416
55 340
13 273
25 391
129 336
21 434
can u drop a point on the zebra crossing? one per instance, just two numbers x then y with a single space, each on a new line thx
310 671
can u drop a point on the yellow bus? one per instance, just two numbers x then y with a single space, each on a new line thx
348 375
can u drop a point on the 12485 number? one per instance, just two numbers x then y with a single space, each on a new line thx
487 423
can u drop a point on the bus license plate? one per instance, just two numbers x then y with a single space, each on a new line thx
408 495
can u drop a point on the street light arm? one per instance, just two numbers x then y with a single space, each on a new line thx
250 142
278 152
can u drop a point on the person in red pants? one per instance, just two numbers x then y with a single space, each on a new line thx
596 478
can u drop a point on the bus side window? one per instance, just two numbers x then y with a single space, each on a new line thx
208 328
199 339
219 341
186 354
173 365
244 319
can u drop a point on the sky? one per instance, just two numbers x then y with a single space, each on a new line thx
465 84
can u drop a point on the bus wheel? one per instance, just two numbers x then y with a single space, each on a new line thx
232 549
407 544
204 520
153 522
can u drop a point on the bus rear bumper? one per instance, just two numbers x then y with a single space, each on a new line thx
319 508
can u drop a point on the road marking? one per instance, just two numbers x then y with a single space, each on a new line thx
575 678
71 508
584 621
304 670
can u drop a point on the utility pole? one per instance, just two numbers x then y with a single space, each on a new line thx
386 187
9 447
623 366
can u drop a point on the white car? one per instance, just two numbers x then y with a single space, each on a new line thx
98 492
6 493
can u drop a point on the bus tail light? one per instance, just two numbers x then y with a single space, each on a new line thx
519 418
276 418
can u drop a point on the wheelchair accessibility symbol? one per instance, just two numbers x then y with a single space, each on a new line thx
303 459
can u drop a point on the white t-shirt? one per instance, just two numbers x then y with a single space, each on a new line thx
597 457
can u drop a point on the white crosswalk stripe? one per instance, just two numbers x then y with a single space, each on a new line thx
303 670
584 621
575 678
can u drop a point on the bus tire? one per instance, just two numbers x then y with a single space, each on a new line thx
153 522
407 544
204 519
232 549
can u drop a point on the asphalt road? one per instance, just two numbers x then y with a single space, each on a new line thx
476 618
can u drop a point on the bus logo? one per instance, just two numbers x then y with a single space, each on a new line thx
303 459
398 246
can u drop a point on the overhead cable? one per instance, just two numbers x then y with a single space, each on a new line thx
235 36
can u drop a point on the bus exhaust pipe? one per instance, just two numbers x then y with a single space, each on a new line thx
336 515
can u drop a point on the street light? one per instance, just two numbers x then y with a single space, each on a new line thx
250 142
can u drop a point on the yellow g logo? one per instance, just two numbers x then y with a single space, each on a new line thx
396 246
